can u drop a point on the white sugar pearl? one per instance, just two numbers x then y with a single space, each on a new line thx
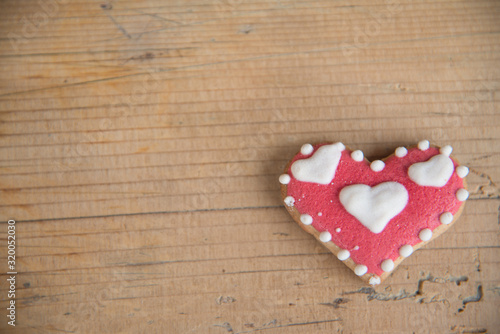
357 155
446 218
289 200
462 171
284 179
306 219
406 250
325 236
306 149
338 230
425 234
377 165
343 255
387 265
360 269
374 280
462 194
423 145
446 150
401 152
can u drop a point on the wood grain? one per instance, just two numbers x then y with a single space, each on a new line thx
141 141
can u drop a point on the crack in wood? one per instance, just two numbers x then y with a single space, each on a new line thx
472 299
372 294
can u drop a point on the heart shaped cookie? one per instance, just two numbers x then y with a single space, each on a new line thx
373 215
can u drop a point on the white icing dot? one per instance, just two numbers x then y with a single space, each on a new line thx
377 165
289 200
343 255
446 218
425 234
423 145
306 219
284 179
387 265
462 171
338 230
401 152
374 280
325 236
360 269
357 155
462 194
306 149
406 250
320 214
446 150
356 248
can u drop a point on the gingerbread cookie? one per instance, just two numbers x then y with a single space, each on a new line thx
372 215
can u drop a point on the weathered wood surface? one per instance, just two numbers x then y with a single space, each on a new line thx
141 141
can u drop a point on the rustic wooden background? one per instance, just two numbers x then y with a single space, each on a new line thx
141 142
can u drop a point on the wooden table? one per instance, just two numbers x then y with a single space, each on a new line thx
141 142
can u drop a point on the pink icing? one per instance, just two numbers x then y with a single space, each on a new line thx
425 205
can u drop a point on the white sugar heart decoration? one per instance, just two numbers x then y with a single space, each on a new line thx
435 172
374 215
320 168
375 206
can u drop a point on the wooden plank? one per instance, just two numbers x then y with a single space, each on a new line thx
141 141
197 265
